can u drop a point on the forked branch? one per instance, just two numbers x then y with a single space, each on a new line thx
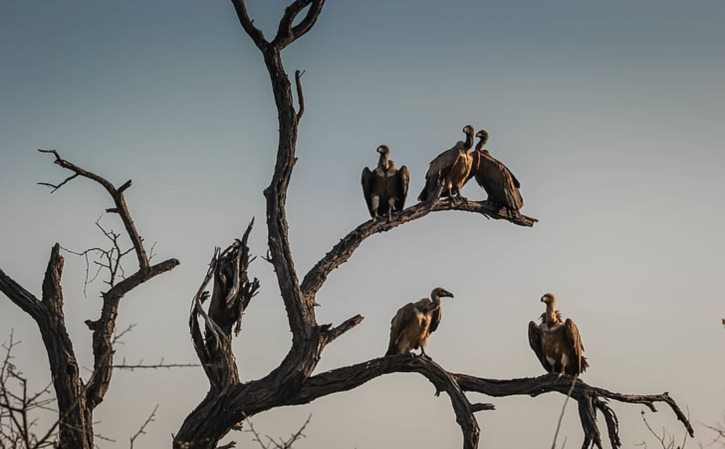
121 208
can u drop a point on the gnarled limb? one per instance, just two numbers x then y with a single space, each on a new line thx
232 293
76 399
343 250
590 398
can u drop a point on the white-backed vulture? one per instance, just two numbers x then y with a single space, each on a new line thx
557 343
496 179
386 187
449 170
414 322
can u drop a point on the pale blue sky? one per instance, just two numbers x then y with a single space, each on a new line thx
610 113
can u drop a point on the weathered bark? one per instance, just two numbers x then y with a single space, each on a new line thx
230 400
76 399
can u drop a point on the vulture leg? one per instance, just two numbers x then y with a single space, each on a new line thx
375 203
391 208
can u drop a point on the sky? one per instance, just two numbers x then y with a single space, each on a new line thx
610 114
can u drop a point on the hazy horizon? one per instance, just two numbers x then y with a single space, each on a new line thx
610 115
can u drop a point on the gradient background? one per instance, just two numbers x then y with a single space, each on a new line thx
610 113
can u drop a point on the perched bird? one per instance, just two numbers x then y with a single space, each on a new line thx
386 187
496 179
414 322
449 170
557 343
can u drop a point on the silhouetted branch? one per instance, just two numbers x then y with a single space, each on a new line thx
589 397
343 250
270 443
121 208
161 364
142 429
287 33
300 95
18 407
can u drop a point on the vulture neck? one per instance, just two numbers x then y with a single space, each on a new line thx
551 316
436 302
468 144
480 144
384 162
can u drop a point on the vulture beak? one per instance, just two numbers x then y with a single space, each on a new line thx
447 294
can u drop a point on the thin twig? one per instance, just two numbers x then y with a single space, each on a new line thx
142 429
563 408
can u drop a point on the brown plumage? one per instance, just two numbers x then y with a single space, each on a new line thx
557 343
496 179
414 322
449 170
386 187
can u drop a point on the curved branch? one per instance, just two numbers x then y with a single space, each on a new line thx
287 33
248 25
343 250
118 198
350 377
590 398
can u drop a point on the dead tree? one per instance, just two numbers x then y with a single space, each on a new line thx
230 401
77 398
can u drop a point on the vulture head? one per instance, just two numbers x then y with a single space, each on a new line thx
383 149
483 135
468 129
548 298
440 293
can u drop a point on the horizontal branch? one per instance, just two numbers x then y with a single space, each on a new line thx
344 249
590 398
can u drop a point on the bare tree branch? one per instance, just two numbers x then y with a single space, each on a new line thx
142 429
287 32
18 407
118 198
248 24
343 250
300 95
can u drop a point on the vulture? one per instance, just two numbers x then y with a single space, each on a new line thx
450 169
496 179
557 343
414 322
386 187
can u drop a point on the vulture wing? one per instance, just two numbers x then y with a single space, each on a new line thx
575 348
536 343
435 319
438 169
444 161
400 321
498 182
401 186
367 185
